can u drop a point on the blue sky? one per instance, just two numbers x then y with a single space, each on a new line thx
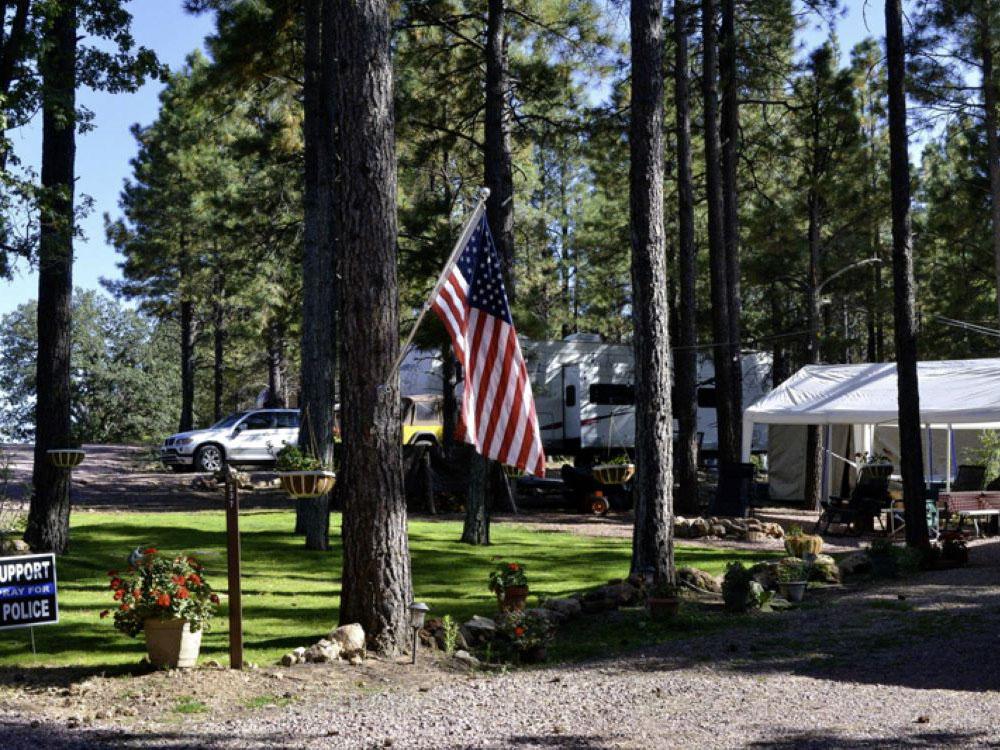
103 154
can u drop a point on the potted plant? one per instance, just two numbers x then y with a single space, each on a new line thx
882 553
799 544
169 600
66 458
793 577
876 465
617 470
663 600
954 548
303 475
510 585
528 633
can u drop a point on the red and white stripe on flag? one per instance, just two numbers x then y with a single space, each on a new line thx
498 408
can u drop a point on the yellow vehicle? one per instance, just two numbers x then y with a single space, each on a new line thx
422 418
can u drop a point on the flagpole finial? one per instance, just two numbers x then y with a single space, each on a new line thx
484 194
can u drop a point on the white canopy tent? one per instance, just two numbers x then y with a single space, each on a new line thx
954 394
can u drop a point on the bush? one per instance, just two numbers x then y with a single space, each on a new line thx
292 458
740 592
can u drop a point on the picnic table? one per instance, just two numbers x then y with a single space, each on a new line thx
970 506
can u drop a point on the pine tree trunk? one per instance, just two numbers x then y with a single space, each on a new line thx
319 285
814 441
686 356
218 349
992 143
652 540
500 215
48 517
275 366
729 446
376 587
730 133
187 366
449 405
910 449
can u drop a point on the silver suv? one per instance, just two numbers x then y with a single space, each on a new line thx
248 437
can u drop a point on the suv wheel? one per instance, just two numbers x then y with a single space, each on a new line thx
208 458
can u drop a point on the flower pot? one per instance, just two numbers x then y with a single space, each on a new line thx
662 608
170 643
66 458
793 591
533 655
804 544
613 473
307 483
879 471
513 598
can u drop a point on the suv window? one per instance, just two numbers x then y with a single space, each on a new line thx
287 420
259 421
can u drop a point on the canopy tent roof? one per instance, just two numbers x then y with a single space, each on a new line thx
952 392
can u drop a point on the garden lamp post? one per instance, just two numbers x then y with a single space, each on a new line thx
418 611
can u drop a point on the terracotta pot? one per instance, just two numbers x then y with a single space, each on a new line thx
514 598
307 483
170 643
66 458
533 655
662 608
613 473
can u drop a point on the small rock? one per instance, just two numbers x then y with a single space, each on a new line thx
288 660
854 563
356 660
923 719
699 579
478 630
718 530
466 658
824 568
213 664
102 714
350 638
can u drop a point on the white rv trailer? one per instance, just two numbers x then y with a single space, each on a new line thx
584 395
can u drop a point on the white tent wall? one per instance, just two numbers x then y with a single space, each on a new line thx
786 460
965 446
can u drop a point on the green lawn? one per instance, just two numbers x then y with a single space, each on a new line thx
290 595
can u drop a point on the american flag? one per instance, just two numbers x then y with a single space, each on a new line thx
498 410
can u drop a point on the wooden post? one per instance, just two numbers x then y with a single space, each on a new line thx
233 568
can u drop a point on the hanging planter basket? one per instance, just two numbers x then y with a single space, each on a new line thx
301 484
613 473
513 472
878 471
66 458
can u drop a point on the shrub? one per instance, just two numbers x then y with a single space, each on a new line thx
292 458
740 592
505 575
450 628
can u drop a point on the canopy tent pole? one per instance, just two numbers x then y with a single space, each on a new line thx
949 449
826 460
747 445
930 454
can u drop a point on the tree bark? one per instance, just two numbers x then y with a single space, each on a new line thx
992 143
476 527
275 366
218 347
686 355
729 445
187 365
910 449
652 540
48 516
376 587
730 133
813 487
319 281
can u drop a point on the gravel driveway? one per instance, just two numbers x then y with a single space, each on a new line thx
901 665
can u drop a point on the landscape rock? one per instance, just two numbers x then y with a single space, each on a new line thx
567 608
322 651
478 630
718 529
699 579
824 568
766 574
854 563
699 527
549 616
288 660
350 639
466 658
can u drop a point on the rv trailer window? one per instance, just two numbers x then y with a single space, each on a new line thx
611 394
570 395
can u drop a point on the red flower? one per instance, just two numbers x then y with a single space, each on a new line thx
179 580
214 598
149 551
119 594
124 608
194 579
105 613
136 593
518 631
163 600
513 566
182 593
116 582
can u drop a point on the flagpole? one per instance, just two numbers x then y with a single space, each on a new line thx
463 238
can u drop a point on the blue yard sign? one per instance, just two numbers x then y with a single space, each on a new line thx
28 591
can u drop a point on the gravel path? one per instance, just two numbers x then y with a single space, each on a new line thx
902 665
